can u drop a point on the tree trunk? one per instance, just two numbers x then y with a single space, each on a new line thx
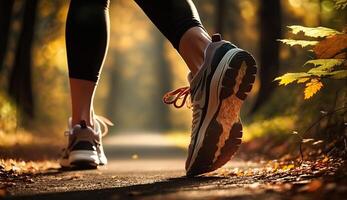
270 31
20 83
221 12
5 19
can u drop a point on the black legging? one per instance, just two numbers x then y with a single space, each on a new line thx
87 30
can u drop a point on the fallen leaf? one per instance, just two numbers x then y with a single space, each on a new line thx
3 192
73 177
330 186
288 167
254 185
326 159
312 186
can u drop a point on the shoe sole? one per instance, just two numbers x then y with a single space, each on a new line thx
83 159
65 163
102 159
222 127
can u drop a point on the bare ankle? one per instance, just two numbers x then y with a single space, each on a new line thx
192 47
89 120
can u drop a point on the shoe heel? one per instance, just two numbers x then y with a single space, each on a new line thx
84 159
249 77
231 74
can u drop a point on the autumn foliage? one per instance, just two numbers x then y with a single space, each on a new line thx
330 58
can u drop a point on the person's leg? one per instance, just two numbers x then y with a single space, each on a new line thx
221 76
179 21
192 47
87 36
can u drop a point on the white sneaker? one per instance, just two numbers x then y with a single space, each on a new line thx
217 93
84 149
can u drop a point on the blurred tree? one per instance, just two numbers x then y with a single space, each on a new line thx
114 83
165 79
5 19
270 31
221 12
20 83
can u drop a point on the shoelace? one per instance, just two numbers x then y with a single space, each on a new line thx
182 94
102 121
174 97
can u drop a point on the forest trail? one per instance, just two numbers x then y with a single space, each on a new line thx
149 166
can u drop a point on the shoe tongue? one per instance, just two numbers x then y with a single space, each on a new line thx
215 38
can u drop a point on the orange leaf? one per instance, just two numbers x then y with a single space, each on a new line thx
331 47
312 88
314 185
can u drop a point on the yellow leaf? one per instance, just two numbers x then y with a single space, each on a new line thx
341 4
302 43
302 80
339 74
326 63
326 159
288 167
324 66
315 32
312 88
291 77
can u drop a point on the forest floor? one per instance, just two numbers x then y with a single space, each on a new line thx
149 166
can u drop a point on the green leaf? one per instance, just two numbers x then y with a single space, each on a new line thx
315 32
302 43
340 4
340 74
324 66
291 77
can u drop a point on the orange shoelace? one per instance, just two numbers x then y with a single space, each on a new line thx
177 97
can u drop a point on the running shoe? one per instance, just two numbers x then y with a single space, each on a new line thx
84 149
217 93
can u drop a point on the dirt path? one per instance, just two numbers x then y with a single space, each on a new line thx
147 166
